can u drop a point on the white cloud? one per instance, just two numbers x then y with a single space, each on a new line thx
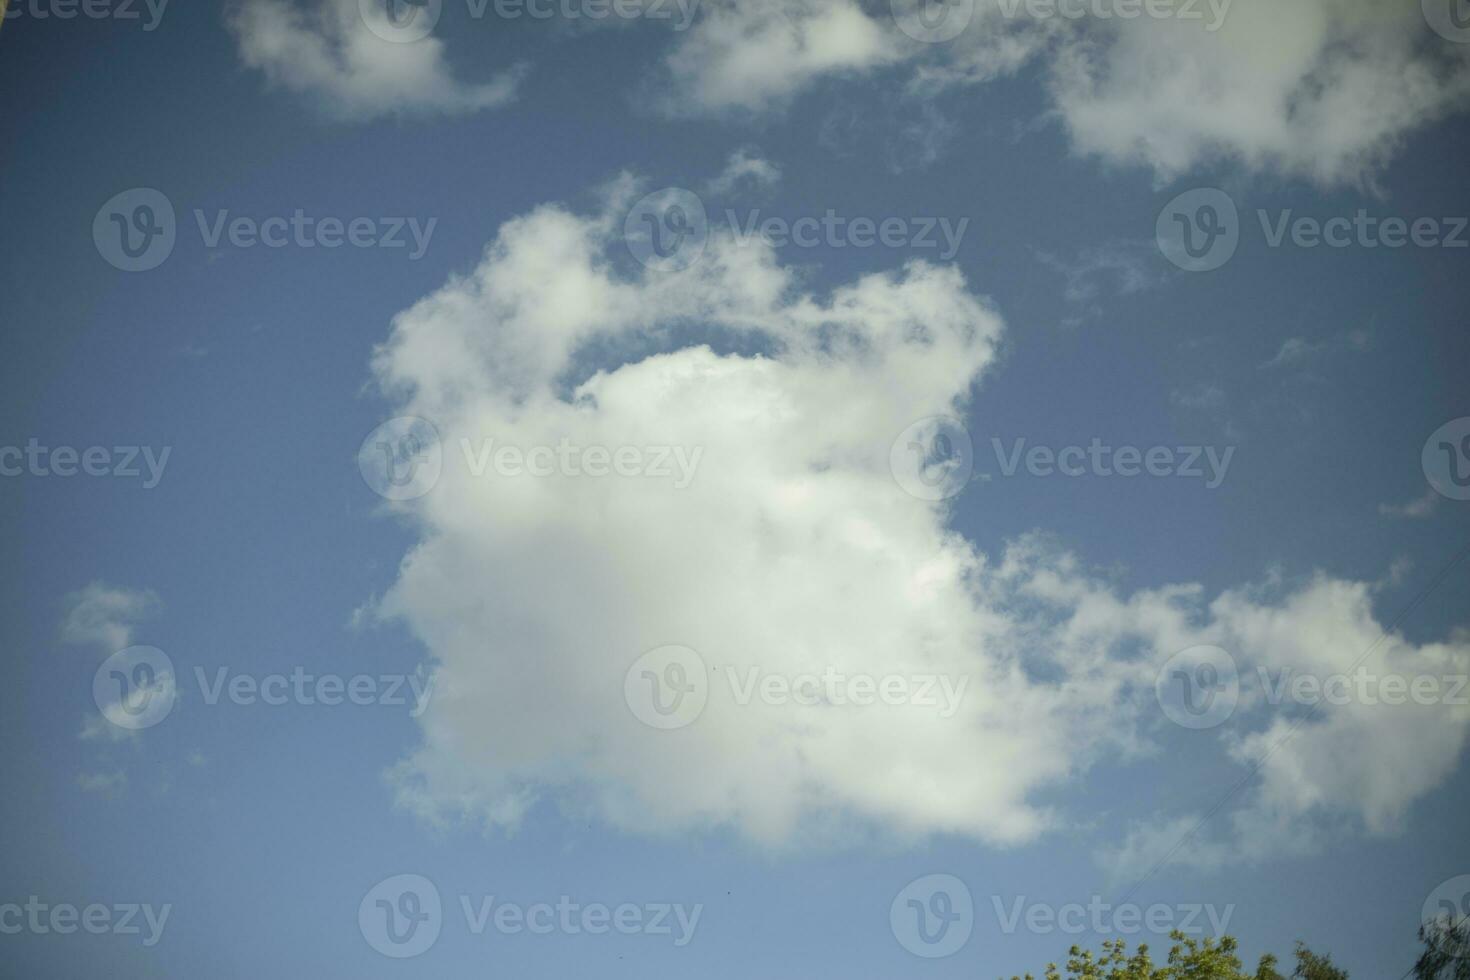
106 783
1320 89
1119 267
793 550
756 54
1324 89
1354 764
104 616
745 170
1419 507
331 55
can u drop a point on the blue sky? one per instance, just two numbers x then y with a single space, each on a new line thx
520 149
